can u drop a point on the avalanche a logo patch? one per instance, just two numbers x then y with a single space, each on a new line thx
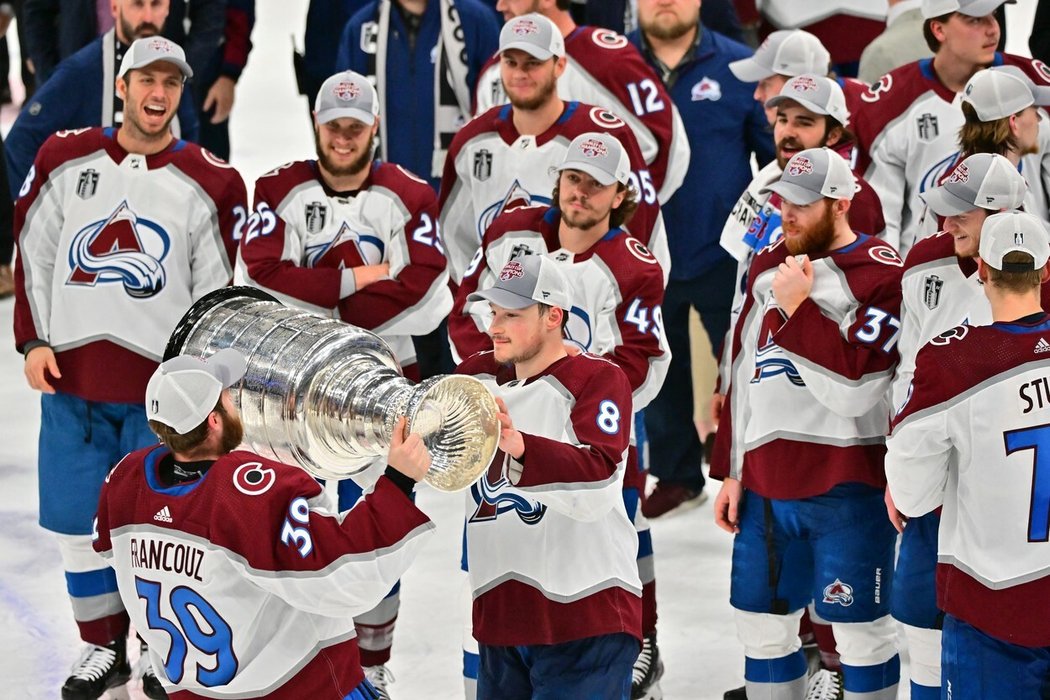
706 89
121 249
840 593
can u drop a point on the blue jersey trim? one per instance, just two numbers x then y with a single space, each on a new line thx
861 237
151 464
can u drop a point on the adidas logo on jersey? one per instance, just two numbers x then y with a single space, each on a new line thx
1042 346
164 515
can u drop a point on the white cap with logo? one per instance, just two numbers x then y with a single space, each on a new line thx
528 280
983 180
151 49
600 155
184 390
1014 231
786 52
347 94
534 34
1001 91
817 93
812 174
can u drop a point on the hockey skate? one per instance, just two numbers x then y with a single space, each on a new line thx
379 676
97 670
151 686
648 668
824 685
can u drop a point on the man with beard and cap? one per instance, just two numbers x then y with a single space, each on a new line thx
239 571
803 488
940 288
119 231
355 238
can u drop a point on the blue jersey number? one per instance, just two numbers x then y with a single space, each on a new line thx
217 641
1036 439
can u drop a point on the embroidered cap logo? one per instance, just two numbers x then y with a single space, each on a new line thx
524 27
347 90
511 270
593 148
799 165
960 174
804 83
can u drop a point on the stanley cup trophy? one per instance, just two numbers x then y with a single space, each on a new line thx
326 395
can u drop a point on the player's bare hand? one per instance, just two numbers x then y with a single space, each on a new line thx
792 282
510 440
408 454
365 275
220 96
898 518
715 408
727 505
41 362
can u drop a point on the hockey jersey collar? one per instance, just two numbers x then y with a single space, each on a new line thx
1036 323
927 72
507 131
155 160
151 467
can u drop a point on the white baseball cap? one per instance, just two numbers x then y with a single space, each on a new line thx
1013 231
528 280
184 390
812 174
151 49
971 8
996 93
534 34
817 93
600 155
983 180
347 94
786 52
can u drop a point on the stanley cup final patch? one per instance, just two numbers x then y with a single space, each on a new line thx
931 291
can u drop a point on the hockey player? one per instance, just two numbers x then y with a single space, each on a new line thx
354 238
604 69
616 311
118 232
258 604
556 595
504 158
940 289
909 124
970 439
803 489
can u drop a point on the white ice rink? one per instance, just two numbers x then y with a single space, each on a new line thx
38 639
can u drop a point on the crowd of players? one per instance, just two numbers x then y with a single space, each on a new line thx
540 205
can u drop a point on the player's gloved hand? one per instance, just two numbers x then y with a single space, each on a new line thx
365 275
793 282
727 505
510 440
40 361
896 517
408 454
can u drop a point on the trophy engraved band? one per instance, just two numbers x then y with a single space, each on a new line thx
326 395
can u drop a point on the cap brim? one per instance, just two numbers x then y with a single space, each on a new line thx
943 203
327 115
983 8
793 193
604 178
502 298
183 67
228 366
530 49
748 70
1041 95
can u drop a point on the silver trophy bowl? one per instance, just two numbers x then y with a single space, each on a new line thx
326 395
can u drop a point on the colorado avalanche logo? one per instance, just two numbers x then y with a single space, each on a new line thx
594 148
524 27
608 39
769 359
346 90
578 329
491 503
799 165
804 83
516 198
511 270
839 593
121 249
960 174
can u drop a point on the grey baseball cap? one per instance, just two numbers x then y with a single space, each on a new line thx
817 93
786 52
812 174
984 180
1014 231
971 8
151 49
601 156
534 34
528 280
184 390
347 94
996 93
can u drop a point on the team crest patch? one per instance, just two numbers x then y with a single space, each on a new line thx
594 148
87 183
804 83
483 164
511 270
122 249
840 593
253 479
960 174
346 90
316 213
524 27
706 89
799 165
931 291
